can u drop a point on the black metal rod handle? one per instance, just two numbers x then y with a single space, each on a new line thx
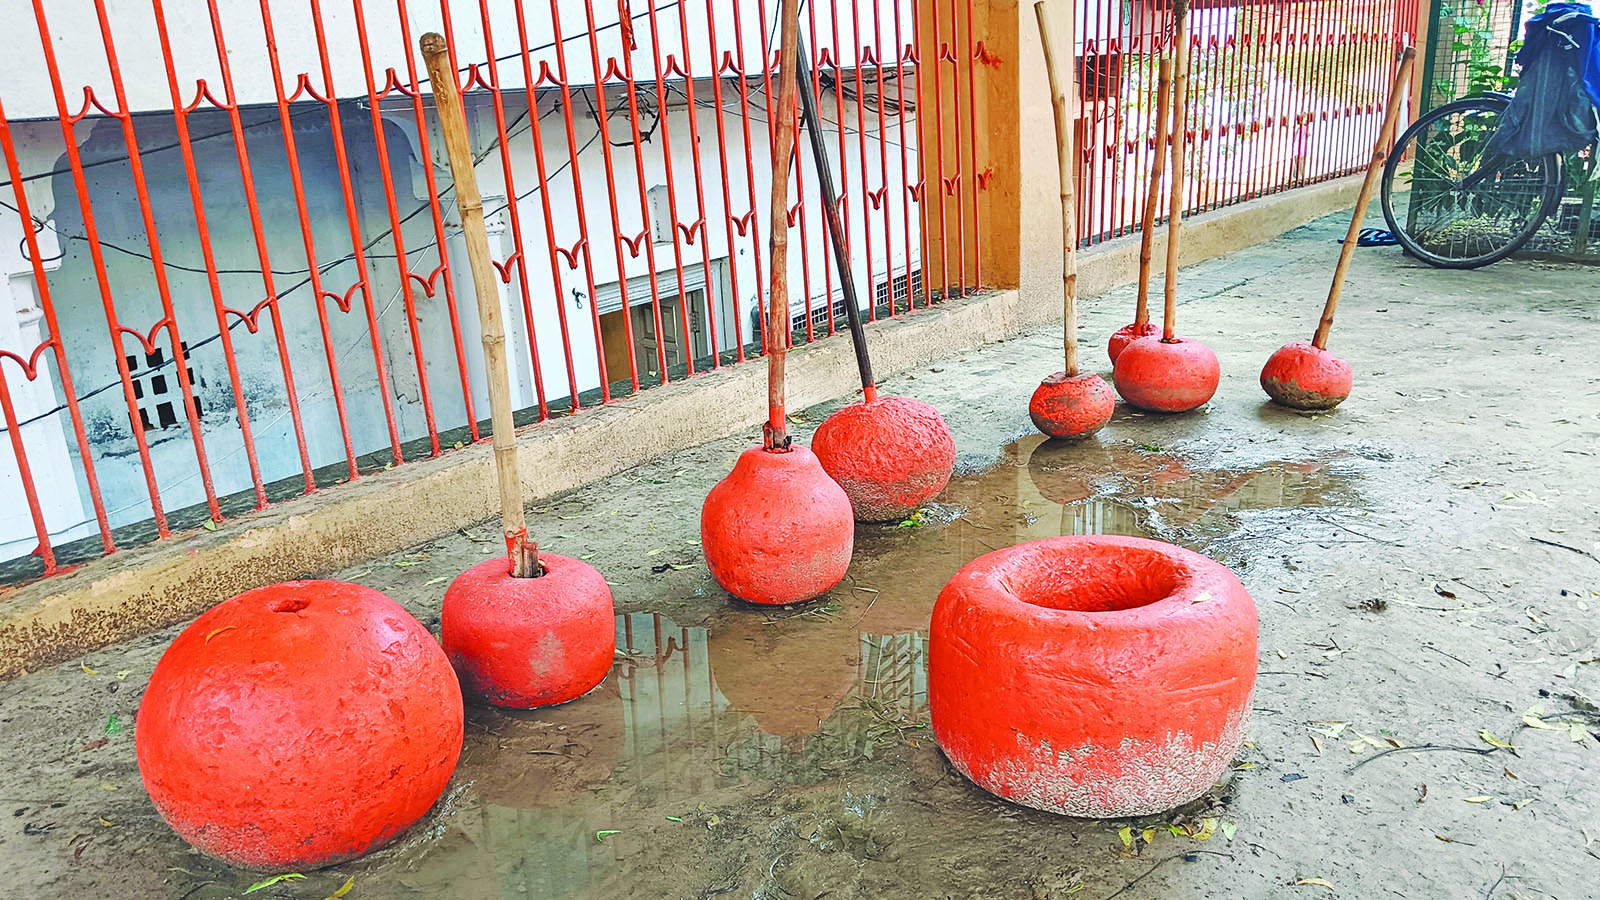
830 206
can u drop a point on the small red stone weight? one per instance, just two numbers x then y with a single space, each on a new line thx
890 454
1099 676
1127 334
777 529
529 642
1070 403
299 725
1301 376
1071 406
1167 376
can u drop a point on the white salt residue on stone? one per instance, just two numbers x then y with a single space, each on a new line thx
1154 776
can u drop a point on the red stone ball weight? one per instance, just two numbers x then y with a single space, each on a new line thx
299 725
1127 334
890 454
1071 406
777 530
1167 376
529 642
1302 376
1095 676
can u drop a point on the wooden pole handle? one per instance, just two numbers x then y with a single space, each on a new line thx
1180 103
1069 206
1380 155
1152 200
778 330
453 123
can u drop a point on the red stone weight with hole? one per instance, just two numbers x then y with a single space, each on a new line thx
1071 407
890 454
1127 334
529 642
1303 377
1167 376
777 529
299 725
1098 676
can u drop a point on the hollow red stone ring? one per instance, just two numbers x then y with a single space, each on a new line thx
1093 676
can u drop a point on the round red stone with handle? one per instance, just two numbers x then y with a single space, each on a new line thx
1302 376
1127 334
777 529
299 725
1074 406
1167 376
890 454
1093 676
529 642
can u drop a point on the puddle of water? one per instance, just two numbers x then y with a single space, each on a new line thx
701 737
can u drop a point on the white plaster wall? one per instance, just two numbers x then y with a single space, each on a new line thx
81 52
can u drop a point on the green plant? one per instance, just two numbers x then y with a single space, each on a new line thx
1480 59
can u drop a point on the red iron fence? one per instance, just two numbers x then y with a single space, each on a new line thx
232 269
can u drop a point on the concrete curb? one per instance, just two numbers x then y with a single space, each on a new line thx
138 591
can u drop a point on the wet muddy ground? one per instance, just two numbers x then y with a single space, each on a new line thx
1426 561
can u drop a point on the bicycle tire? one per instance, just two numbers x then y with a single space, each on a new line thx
1549 169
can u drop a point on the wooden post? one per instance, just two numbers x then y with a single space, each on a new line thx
1069 206
1380 155
1152 200
1180 103
778 330
447 98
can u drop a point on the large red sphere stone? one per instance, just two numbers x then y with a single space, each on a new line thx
1127 334
299 725
1074 407
1167 376
1094 676
891 455
777 529
1300 376
529 642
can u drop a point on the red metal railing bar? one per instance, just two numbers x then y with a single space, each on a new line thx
180 115
58 351
552 246
719 64
436 213
751 218
517 258
664 125
814 64
702 224
363 283
97 254
632 89
583 215
396 229
602 116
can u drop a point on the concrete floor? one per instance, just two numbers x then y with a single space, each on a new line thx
1426 561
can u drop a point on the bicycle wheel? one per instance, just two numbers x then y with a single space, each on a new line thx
1455 207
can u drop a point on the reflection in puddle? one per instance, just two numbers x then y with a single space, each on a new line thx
700 735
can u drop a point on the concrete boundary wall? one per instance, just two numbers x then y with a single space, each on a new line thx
140 590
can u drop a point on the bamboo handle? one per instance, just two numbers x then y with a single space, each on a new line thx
830 210
1380 155
777 432
1180 102
1069 207
1152 200
452 121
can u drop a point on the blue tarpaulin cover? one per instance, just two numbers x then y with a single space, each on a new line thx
1556 108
